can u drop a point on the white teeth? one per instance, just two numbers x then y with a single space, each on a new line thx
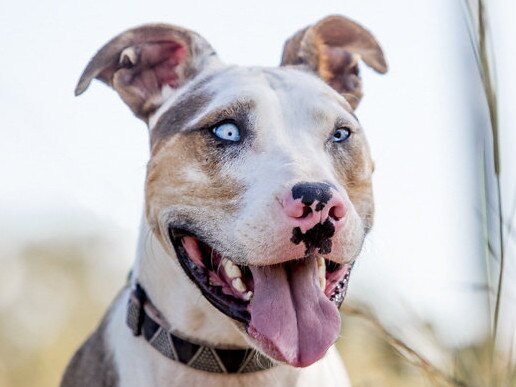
321 271
232 270
247 296
238 285
235 275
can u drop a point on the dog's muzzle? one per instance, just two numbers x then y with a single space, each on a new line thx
299 298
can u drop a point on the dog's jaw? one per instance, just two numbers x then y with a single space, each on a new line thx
178 299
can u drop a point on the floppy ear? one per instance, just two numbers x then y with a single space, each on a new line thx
332 48
140 63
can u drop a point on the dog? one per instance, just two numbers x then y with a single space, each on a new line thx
258 197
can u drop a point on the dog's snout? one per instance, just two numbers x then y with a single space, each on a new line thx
310 203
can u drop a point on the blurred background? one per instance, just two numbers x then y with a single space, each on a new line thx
72 173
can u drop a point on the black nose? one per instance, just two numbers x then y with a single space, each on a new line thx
309 192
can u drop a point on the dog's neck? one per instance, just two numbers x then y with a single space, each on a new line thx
177 298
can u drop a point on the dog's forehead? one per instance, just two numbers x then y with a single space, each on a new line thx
289 90
281 79
283 85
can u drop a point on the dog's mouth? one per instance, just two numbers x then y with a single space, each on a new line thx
290 309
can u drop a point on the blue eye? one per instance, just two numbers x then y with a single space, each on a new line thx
341 135
227 131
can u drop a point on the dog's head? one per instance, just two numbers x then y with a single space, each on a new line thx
259 180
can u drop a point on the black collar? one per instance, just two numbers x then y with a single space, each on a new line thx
144 319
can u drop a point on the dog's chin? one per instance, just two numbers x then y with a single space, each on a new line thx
289 310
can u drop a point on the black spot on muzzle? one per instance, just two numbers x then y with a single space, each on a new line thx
318 237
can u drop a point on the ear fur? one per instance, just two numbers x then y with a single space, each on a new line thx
332 48
141 62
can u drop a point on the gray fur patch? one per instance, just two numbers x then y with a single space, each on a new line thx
92 365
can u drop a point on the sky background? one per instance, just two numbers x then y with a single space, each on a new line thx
72 166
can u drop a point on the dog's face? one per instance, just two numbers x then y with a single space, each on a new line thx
259 180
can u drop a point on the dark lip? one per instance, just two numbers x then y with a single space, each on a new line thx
236 309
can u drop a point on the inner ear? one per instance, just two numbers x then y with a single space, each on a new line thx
144 71
157 63
333 48
141 63
339 68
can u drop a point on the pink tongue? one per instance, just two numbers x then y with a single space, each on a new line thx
291 318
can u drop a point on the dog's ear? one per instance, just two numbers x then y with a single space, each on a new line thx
332 48
142 62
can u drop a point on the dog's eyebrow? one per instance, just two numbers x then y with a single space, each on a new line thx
354 116
341 121
237 110
344 121
345 106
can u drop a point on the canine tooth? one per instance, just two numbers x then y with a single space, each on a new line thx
321 270
232 270
238 285
247 296
322 282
